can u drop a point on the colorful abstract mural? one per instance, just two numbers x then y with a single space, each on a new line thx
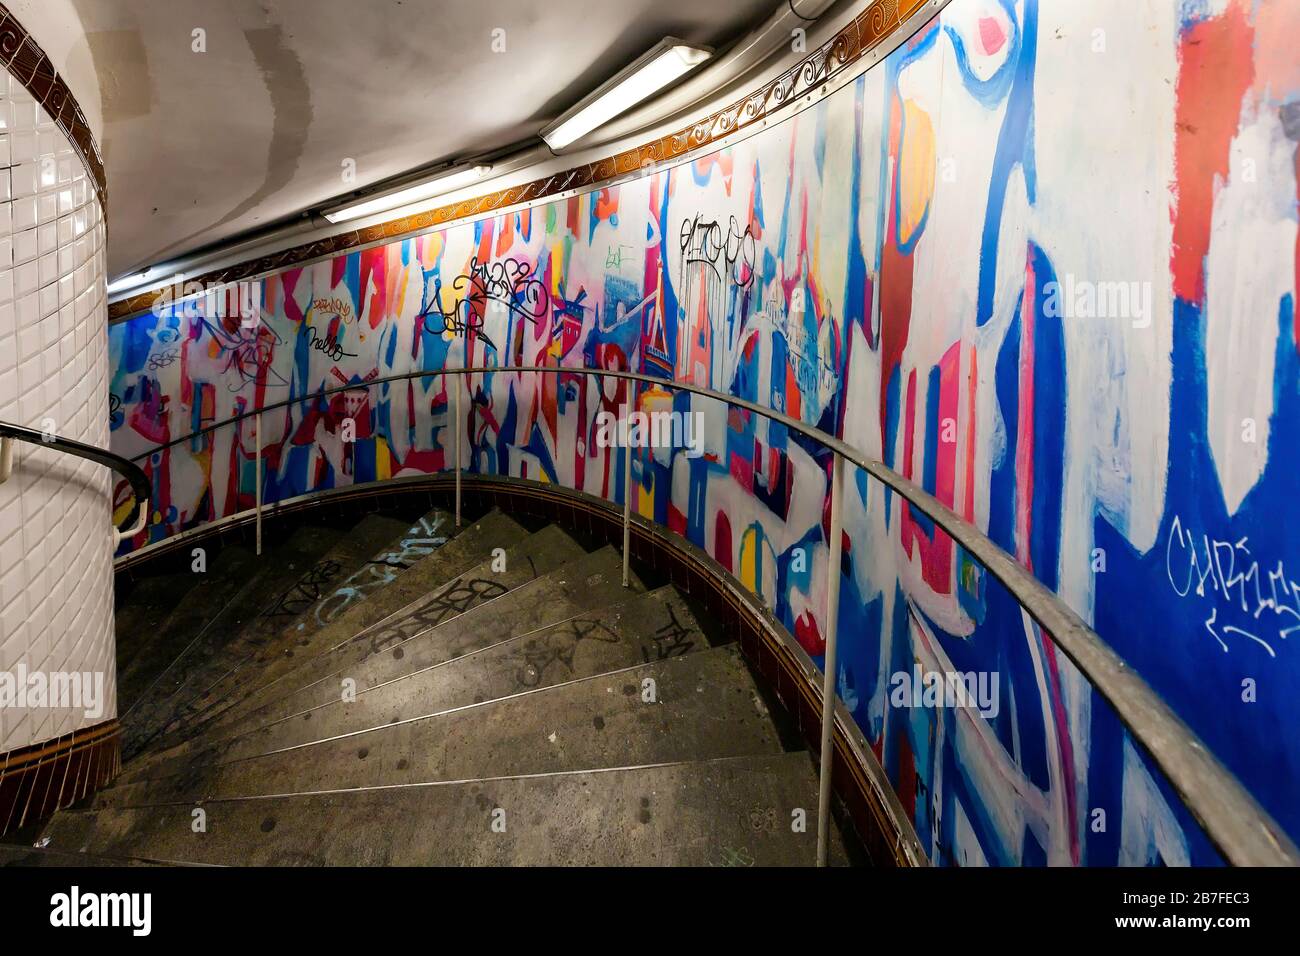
1042 261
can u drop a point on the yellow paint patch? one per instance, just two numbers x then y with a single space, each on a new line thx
915 170
748 566
645 498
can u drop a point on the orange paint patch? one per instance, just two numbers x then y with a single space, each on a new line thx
1217 68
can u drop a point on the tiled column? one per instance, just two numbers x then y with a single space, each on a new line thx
56 599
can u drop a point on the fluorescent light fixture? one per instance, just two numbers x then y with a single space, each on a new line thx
130 280
444 182
667 62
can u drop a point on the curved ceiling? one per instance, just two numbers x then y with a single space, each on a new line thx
201 145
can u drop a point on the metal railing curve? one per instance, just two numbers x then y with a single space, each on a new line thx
134 522
1235 823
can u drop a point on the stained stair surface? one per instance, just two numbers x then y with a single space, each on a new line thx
401 693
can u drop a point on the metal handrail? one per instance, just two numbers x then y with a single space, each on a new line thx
1238 827
134 523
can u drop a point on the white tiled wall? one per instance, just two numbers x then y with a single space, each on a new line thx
56 595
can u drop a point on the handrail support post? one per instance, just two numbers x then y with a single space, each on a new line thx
459 428
257 423
627 490
829 664
6 458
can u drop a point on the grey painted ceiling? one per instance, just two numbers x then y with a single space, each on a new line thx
201 146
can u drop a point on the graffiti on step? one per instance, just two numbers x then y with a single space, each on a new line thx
306 591
559 647
424 537
732 856
374 576
443 606
671 640
762 819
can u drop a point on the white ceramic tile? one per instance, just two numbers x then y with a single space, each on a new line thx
56 611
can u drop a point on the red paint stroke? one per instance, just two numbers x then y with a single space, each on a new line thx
1216 68
946 463
992 35
722 540
1025 420
972 378
1066 744
808 635
606 203
373 270
907 776
896 277
935 552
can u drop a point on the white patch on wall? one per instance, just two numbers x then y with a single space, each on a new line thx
945 286
1249 267
1103 216
1148 825
871 147
966 848
831 229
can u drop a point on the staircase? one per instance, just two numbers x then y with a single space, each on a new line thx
395 693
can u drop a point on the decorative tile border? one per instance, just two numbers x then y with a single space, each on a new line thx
39 779
26 61
866 31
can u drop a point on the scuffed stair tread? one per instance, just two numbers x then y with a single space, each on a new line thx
485 664
525 562
724 812
464 551
590 581
705 705
371 554
151 645
285 565
20 856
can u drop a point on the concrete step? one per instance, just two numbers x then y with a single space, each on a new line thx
513 650
696 707
524 561
262 585
147 644
740 811
23 856
587 582
465 550
370 557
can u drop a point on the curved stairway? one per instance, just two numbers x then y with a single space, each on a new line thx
392 693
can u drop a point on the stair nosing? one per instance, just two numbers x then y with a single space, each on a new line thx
424 784
461 708
428 630
452 660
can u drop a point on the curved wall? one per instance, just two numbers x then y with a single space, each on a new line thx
56 595
1042 260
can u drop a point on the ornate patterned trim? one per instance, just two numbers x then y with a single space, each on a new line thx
39 779
27 62
866 31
